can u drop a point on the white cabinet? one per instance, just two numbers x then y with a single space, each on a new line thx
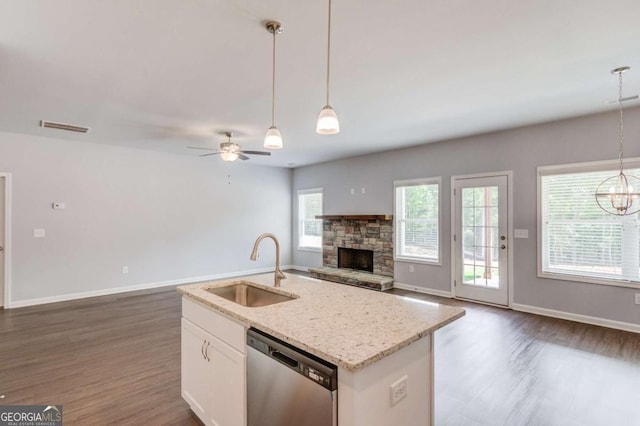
196 368
213 366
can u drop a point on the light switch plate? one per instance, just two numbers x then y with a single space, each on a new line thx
38 233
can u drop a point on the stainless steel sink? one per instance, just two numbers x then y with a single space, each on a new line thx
245 294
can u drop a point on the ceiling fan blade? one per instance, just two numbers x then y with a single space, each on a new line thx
206 155
256 152
197 147
242 157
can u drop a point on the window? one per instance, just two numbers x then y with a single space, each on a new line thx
578 240
417 205
309 228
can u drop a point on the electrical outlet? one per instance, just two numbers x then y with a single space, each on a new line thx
411 268
637 298
398 390
353 191
363 190
125 269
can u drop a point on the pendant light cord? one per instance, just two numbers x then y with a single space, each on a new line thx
328 52
273 82
621 141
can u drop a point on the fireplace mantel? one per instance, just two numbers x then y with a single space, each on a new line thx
357 217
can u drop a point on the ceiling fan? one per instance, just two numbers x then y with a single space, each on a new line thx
230 151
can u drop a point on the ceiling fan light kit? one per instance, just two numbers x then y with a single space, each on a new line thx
327 123
230 151
618 195
273 137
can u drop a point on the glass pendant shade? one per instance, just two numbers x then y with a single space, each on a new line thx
273 138
327 123
619 195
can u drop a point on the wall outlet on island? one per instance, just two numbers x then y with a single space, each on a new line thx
125 269
637 298
398 390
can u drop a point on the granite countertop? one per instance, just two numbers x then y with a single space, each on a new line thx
348 326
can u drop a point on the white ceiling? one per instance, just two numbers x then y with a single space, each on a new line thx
167 74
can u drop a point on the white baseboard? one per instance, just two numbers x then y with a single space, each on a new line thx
296 268
634 328
424 290
146 286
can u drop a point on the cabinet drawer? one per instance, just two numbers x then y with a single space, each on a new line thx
225 329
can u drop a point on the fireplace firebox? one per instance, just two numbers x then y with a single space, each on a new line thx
360 260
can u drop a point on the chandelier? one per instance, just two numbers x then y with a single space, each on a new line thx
618 195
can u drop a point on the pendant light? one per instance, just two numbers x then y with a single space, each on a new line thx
618 195
328 123
273 137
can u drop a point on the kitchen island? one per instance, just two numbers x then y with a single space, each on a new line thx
376 340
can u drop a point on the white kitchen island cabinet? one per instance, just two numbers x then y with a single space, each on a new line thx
213 372
382 345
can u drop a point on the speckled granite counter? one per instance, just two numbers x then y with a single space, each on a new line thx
347 326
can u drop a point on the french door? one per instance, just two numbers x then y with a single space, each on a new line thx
480 241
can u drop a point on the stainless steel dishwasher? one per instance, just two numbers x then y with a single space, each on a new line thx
287 386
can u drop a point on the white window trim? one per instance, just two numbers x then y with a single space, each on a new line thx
300 192
590 166
417 182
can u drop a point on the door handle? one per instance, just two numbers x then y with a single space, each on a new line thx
502 237
503 246
202 349
1 248
206 352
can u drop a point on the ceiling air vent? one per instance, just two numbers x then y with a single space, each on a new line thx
62 126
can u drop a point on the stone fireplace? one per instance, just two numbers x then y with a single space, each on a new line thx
357 250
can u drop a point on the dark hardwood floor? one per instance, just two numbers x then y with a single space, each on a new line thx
501 367
116 360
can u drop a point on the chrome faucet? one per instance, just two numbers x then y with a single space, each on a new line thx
254 255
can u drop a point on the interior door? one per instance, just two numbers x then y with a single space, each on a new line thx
2 243
481 243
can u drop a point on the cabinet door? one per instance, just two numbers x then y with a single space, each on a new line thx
228 403
196 369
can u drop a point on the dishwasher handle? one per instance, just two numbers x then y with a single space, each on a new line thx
283 358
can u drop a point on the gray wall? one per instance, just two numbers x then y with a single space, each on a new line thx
167 217
521 150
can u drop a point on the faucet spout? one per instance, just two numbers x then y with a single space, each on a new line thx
279 275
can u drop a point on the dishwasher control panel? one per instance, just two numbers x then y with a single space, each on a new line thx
310 366
317 376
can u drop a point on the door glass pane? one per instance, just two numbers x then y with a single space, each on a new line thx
480 240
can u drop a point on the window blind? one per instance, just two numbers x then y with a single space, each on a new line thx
417 220
310 228
579 238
